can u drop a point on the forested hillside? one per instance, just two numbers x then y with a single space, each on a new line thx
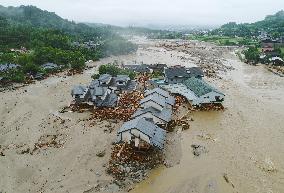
42 37
272 24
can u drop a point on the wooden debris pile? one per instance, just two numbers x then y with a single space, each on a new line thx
46 141
175 123
143 79
180 100
127 105
210 107
79 107
72 72
132 164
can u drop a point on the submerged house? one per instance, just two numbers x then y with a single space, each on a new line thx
161 93
154 101
142 134
176 75
79 93
277 61
195 72
105 80
158 117
102 92
203 91
7 67
138 68
49 66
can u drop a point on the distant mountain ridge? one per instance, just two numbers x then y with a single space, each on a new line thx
272 24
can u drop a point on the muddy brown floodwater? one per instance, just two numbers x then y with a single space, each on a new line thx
242 147
245 142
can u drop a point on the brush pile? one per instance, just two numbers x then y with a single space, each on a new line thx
132 165
210 107
180 100
127 105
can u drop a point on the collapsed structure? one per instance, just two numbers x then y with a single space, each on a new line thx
103 92
145 129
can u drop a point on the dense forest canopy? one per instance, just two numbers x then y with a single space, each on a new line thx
46 37
272 24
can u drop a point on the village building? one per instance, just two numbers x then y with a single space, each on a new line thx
161 93
178 74
204 93
157 67
138 68
105 79
142 134
160 118
277 61
7 67
49 66
196 72
79 93
154 101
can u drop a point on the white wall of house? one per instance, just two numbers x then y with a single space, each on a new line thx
208 98
126 136
152 104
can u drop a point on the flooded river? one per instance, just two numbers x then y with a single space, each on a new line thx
245 142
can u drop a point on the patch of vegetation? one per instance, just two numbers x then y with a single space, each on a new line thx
40 37
225 40
114 71
252 55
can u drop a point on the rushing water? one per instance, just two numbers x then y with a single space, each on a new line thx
245 142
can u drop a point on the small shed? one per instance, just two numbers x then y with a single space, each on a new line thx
142 134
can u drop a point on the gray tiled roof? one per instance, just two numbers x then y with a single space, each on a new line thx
6 67
138 68
169 99
156 134
94 83
110 101
199 87
123 78
78 90
98 91
165 114
159 91
196 71
105 77
176 72
155 98
49 66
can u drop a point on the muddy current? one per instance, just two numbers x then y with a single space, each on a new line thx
244 144
240 149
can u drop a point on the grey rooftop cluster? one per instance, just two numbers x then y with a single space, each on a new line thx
147 122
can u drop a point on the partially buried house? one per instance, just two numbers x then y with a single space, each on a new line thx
142 134
102 92
178 74
204 92
156 107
